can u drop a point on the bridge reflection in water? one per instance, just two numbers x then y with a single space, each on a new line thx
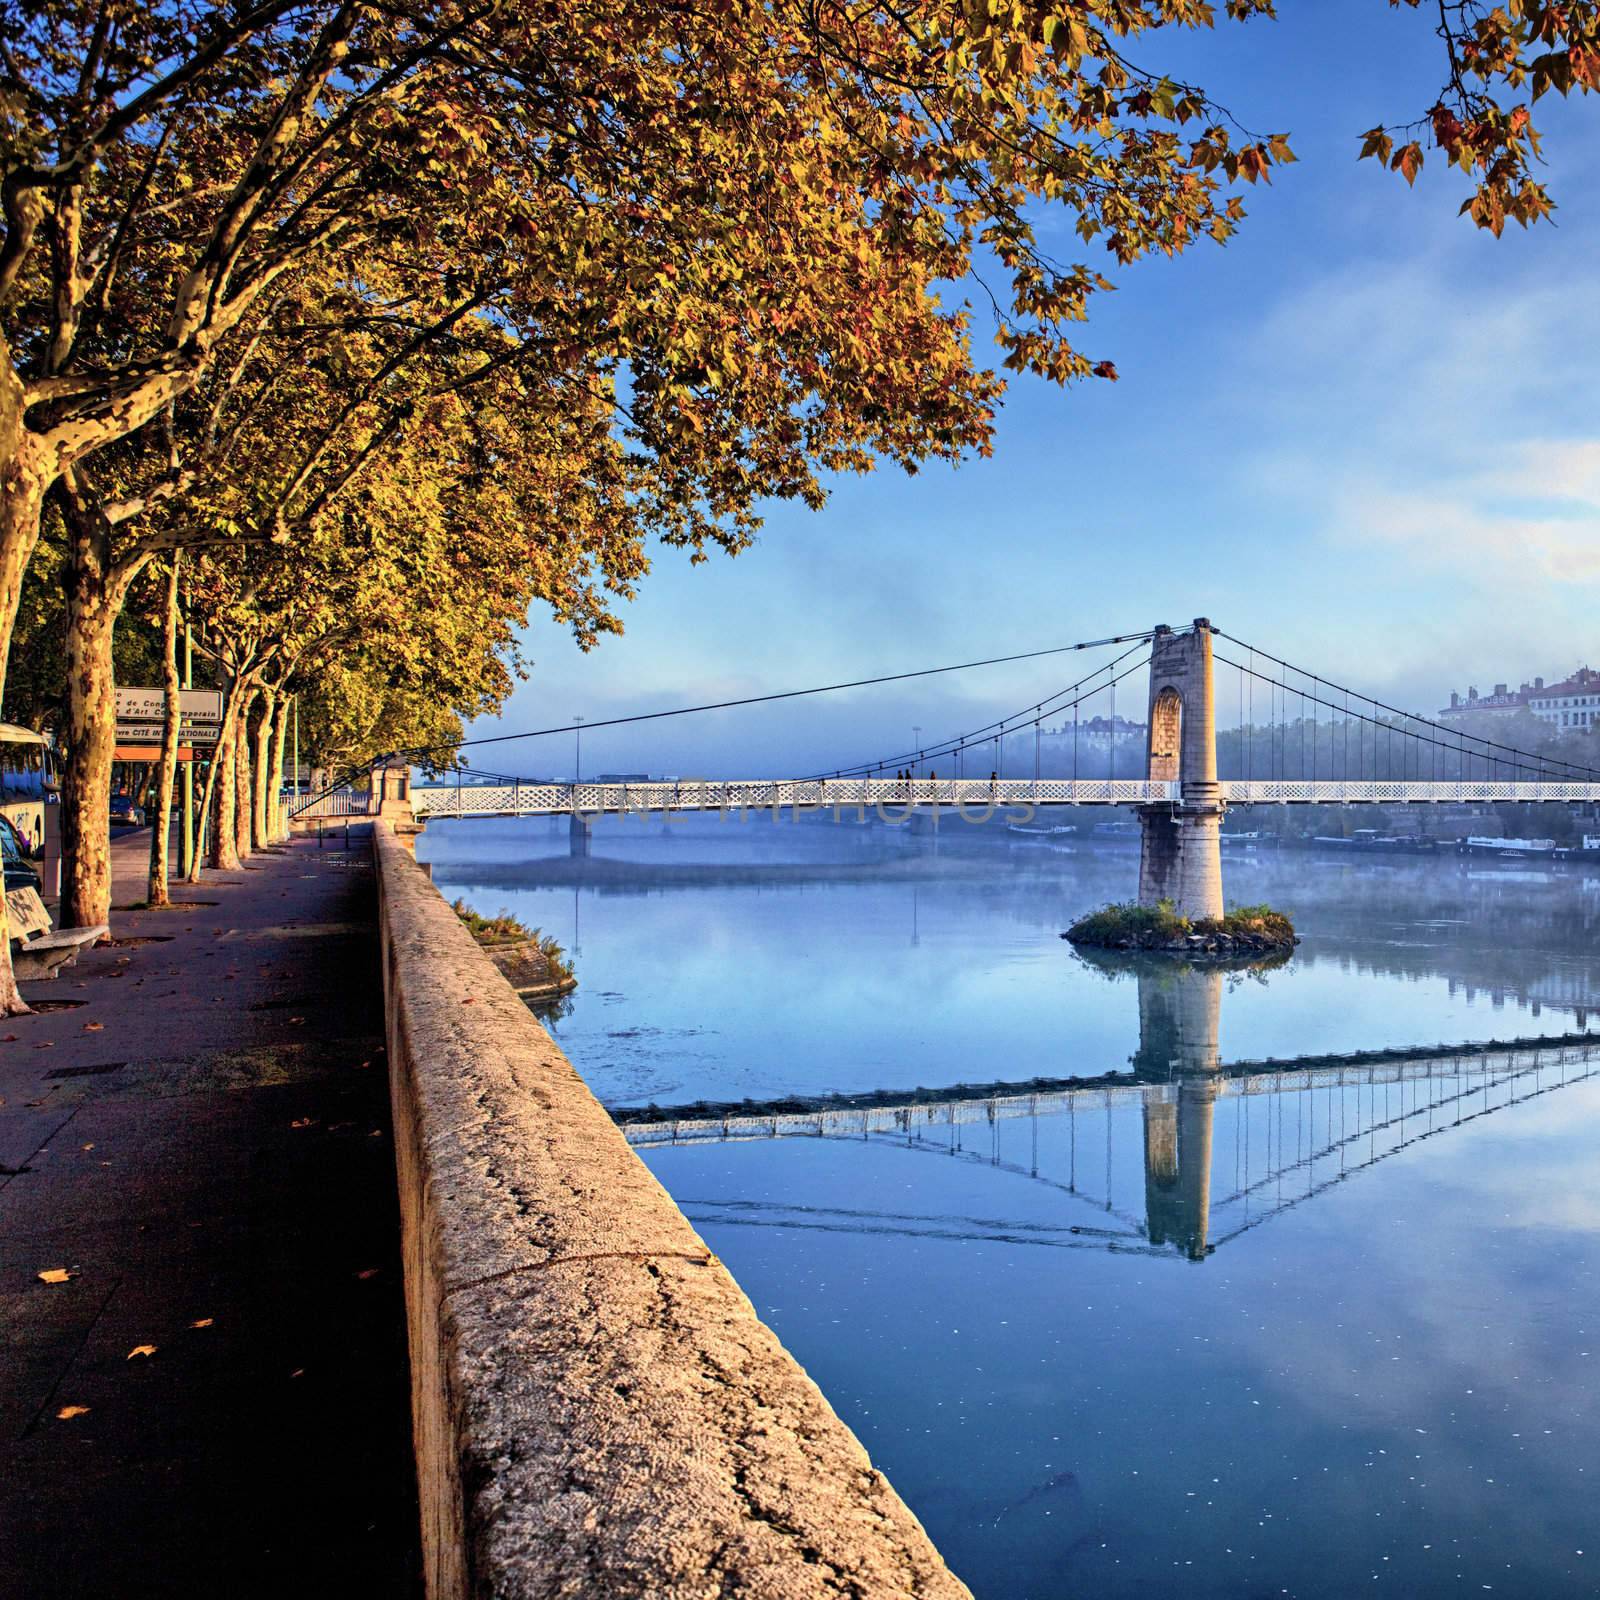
1297 1128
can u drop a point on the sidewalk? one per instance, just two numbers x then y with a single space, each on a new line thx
199 1134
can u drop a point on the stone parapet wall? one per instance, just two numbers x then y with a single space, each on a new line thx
597 1408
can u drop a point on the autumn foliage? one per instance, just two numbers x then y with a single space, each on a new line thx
579 276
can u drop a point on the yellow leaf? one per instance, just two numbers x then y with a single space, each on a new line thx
203 1322
66 1413
141 1350
56 1275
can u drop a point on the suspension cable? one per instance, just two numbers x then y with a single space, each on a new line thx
1411 716
958 742
416 751
1377 724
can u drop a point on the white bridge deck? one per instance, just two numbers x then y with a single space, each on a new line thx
976 796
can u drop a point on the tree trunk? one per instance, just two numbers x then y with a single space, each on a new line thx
22 487
202 829
91 737
280 736
166 780
242 765
261 818
222 778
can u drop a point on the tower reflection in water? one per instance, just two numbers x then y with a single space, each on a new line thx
1180 1012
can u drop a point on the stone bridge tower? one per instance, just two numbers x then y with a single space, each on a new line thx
1180 856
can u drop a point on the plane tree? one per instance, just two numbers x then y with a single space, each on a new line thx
738 223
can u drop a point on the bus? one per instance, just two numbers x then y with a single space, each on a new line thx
27 781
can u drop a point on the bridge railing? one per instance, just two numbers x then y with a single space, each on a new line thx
746 796
341 802
1298 791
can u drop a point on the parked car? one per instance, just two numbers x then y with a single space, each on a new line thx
19 871
124 813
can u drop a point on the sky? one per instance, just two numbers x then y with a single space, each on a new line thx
1364 434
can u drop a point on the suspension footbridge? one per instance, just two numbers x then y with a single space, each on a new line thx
1323 744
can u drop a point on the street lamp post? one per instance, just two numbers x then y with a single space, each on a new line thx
916 740
577 759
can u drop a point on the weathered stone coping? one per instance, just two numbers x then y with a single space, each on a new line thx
597 1409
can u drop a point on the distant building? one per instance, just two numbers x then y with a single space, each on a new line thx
1502 703
1100 733
1572 704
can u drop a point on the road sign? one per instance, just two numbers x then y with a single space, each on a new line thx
141 714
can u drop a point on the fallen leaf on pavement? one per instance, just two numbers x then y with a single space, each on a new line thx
45 1044
141 1350
295 1022
56 1275
203 1322
369 1272
303 1122
10 1038
93 1027
88 1147
67 1413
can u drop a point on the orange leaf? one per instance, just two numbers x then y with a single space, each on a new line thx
203 1322
141 1350
56 1275
66 1413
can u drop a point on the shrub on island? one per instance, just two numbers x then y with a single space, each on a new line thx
1244 930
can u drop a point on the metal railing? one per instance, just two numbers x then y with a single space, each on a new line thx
745 796
847 794
341 802
1298 791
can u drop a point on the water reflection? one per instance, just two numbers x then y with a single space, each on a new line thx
1381 1377
1296 1129
721 961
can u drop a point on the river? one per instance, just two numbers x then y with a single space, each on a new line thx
1270 1331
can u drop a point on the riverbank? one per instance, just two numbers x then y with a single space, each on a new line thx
598 1408
199 1138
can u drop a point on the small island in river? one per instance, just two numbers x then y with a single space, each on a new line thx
1246 930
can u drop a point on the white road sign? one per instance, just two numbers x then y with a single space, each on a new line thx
141 714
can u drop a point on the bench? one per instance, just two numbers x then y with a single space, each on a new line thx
45 956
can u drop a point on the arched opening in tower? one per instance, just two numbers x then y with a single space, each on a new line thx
1166 734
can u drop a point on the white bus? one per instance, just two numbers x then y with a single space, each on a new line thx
27 777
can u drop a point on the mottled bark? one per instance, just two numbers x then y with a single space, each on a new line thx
260 812
280 737
166 781
242 765
221 782
91 738
22 486
95 590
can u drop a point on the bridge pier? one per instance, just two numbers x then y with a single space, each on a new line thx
1180 855
580 833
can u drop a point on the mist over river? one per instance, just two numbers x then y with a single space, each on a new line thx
1303 1331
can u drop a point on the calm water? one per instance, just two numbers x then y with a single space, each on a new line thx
1295 1337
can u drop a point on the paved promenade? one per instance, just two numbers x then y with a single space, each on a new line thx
215 1400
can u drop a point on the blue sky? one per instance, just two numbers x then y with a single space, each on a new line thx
1363 434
